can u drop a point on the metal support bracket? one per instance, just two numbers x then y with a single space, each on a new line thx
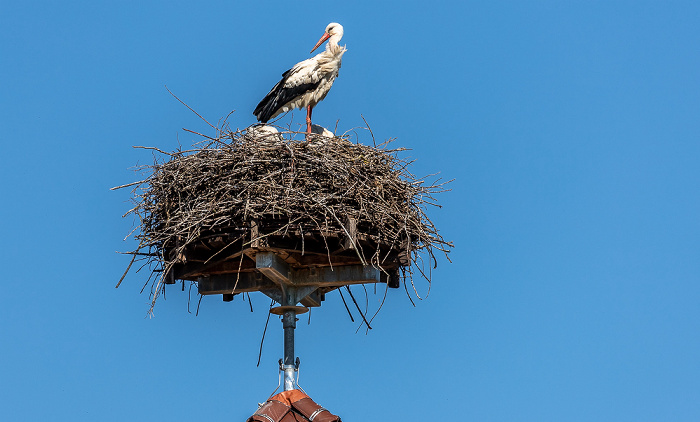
288 287
301 285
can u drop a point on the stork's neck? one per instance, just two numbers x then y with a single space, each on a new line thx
332 46
334 40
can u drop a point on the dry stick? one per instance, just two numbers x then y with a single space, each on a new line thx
370 130
199 303
224 248
386 290
127 270
238 277
358 307
126 186
406 287
148 280
264 331
197 133
156 292
137 253
366 308
271 233
154 149
424 276
302 238
189 296
325 241
346 305
190 108
364 287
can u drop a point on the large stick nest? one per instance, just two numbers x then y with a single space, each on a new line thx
356 204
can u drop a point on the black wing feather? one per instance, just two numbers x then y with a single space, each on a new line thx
281 95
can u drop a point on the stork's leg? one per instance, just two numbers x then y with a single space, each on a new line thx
308 119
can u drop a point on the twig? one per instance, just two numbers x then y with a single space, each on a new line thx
346 305
190 108
358 307
133 258
263 334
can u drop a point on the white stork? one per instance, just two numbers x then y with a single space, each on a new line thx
308 82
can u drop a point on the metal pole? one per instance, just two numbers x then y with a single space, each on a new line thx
289 323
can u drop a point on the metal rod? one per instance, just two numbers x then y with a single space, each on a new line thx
289 323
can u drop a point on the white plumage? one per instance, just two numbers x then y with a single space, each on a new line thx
308 82
320 130
264 131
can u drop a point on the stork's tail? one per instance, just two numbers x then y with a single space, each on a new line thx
281 95
264 111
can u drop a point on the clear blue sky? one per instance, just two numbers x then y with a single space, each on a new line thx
571 129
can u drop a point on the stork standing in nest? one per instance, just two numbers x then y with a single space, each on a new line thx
308 82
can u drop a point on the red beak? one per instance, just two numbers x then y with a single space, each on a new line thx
321 41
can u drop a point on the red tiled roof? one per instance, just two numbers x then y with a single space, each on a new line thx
292 406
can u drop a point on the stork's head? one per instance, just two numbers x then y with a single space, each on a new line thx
334 28
334 31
